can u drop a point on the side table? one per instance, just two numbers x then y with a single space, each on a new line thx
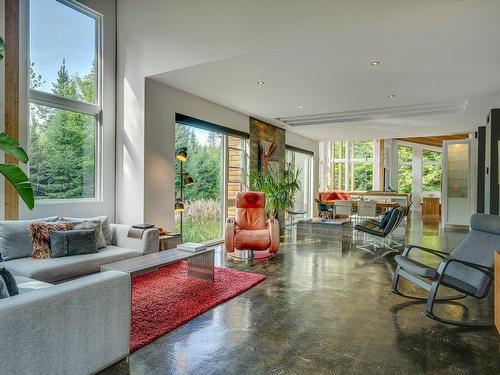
170 241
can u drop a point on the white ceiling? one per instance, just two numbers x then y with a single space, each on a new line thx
317 54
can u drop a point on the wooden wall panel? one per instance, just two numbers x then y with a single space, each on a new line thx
11 200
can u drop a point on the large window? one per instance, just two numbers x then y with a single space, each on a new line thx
202 217
431 171
405 169
64 99
352 165
217 164
301 162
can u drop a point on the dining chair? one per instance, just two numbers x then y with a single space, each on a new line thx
325 211
367 209
343 207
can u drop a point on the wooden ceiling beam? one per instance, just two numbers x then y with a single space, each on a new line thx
435 141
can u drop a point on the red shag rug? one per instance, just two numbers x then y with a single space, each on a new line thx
166 299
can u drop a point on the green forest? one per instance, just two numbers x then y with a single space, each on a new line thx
202 217
360 172
62 143
431 172
203 164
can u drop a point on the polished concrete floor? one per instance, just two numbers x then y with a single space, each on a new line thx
321 312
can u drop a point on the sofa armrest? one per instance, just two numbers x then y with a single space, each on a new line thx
149 243
78 327
274 232
229 235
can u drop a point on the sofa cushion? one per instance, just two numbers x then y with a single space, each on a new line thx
10 281
96 225
15 240
25 284
72 242
4 292
40 236
58 269
106 229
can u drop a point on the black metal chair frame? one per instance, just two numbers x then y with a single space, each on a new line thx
292 214
437 281
329 211
386 238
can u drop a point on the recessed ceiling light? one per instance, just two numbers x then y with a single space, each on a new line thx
260 83
375 63
391 96
301 106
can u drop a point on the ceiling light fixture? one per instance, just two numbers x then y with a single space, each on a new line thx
301 106
260 83
375 63
391 96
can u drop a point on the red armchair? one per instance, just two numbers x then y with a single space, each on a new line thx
251 229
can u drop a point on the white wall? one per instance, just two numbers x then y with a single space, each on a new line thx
162 103
293 139
106 204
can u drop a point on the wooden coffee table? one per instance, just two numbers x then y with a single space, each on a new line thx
200 264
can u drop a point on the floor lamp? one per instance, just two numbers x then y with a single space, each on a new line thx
186 180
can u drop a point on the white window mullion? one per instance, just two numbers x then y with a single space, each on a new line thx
55 101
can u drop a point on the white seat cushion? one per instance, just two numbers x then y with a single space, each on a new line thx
58 269
25 284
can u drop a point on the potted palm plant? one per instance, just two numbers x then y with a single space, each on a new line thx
280 188
12 172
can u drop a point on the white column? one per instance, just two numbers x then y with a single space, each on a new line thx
346 186
376 164
417 177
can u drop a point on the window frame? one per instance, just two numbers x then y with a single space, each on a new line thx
431 163
401 163
50 100
290 159
349 163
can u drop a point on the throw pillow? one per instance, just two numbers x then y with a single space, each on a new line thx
106 229
15 240
4 293
40 236
386 218
73 242
9 281
92 225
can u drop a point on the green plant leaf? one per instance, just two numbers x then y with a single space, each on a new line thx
2 48
21 183
280 188
12 148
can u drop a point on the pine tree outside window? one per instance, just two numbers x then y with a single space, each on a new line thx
64 100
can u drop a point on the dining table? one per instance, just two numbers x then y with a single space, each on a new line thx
382 206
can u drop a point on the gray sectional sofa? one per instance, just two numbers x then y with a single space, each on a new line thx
68 318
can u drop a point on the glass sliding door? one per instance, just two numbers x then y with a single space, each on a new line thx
217 164
302 163
202 217
235 171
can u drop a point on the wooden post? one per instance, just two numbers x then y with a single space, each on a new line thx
11 198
